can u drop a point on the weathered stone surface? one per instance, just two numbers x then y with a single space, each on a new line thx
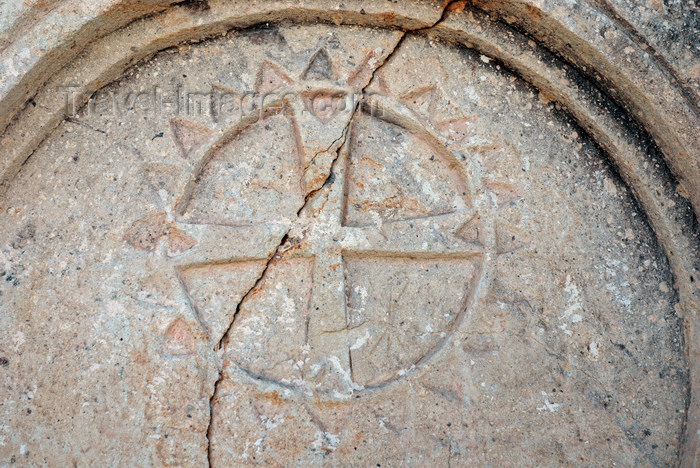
671 28
359 234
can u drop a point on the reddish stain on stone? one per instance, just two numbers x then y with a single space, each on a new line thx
145 233
180 340
179 242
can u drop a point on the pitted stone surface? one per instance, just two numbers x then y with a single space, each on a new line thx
672 27
324 244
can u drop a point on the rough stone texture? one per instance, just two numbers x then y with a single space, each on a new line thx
441 238
672 27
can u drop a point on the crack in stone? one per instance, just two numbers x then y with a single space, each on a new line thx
342 139
330 177
224 337
332 146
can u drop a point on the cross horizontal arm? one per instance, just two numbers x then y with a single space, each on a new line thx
222 244
429 236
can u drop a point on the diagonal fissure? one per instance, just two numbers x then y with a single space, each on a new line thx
337 146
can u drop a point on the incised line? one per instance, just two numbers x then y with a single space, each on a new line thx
308 198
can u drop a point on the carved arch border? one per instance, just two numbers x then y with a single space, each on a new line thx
560 64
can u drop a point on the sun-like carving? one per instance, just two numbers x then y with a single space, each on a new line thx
378 269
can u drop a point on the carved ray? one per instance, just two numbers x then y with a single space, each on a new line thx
271 77
361 76
422 101
189 135
178 242
504 191
320 67
179 339
509 238
158 289
472 231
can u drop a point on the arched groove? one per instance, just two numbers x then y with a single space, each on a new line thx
654 100
78 30
142 39
634 79
589 109
609 9
105 60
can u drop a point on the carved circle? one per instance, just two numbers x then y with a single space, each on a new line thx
671 225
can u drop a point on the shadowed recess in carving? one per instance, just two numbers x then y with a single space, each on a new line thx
319 68
188 135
